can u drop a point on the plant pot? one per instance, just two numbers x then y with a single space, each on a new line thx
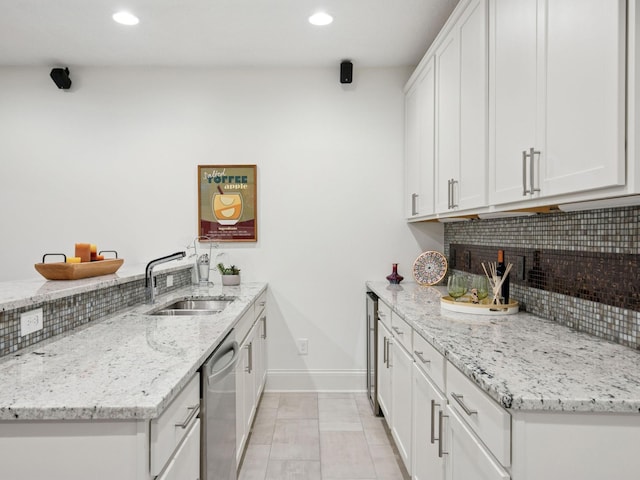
229 280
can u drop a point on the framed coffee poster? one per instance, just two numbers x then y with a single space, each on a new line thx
227 203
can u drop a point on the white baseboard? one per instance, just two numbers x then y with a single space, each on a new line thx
316 381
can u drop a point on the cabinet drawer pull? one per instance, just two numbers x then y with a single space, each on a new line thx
389 343
263 303
414 208
193 412
441 418
422 359
264 326
433 421
397 330
249 348
467 410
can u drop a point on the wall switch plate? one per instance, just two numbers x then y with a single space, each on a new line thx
467 259
520 268
303 346
169 281
31 321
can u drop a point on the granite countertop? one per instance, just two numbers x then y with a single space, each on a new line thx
128 366
523 361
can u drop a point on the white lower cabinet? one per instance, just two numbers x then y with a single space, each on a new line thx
384 372
401 365
467 457
427 459
186 462
251 370
166 448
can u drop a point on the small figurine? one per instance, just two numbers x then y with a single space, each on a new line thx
474 295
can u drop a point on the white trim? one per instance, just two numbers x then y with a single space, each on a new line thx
316 381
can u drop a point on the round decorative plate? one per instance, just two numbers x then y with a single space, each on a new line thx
429 268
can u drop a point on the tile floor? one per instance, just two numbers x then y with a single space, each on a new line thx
319 436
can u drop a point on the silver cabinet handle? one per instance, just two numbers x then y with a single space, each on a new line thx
449 193
384 351
453 195
433 421
467 410
192 413
414 204
441 418
264 326
249 348
381 314
532 154
397 330
422 359
389 343
263 303
524 173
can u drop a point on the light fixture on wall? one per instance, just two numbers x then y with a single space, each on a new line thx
60 77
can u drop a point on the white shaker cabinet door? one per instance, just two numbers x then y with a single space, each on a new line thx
384 371
401 363
585 96
513 109
185 465
447 120
419 143
472 189
467 457
427 403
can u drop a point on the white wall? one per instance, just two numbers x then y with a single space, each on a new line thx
113 162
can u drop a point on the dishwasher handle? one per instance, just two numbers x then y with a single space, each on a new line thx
221 352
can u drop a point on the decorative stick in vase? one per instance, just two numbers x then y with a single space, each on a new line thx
495 281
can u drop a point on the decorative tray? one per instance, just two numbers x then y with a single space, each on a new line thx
464 305
75 271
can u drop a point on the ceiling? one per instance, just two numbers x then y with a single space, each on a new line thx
218 33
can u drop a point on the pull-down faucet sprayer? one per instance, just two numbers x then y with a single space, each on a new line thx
148 272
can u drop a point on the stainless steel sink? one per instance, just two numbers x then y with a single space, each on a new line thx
195 306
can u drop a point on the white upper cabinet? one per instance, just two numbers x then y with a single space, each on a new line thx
557 97
419 143
461 112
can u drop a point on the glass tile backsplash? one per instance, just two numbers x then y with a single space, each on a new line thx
64 314
579 269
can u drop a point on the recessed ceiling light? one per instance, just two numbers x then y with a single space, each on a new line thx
125 18
320 19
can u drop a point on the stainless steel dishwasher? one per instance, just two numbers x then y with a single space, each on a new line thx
218 413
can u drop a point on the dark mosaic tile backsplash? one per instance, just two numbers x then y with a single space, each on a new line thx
68 313
579 268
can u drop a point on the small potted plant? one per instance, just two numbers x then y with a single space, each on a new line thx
230 275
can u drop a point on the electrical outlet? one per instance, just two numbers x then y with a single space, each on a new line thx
303 346
31 322
520 268
169 281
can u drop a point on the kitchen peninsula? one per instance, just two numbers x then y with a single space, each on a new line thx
84 400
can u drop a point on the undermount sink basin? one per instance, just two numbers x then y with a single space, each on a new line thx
195 306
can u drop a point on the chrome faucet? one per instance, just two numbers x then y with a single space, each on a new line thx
148 273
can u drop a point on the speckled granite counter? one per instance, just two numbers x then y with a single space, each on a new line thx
128 366
522 361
